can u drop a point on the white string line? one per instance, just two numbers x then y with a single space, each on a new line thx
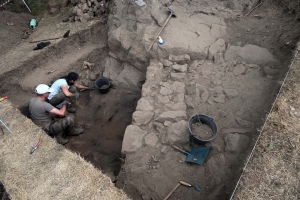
4 3
251 154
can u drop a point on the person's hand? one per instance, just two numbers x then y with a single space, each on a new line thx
91 87
67 103
59 106
76 95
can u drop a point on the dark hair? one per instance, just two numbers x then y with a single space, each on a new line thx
72 76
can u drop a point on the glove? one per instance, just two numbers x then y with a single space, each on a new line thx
91 87
62 103
76 95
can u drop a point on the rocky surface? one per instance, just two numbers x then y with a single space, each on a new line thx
194 71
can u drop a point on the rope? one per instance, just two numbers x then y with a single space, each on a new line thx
4 3
251 154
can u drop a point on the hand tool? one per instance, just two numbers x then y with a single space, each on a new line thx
180 183
196 155
172 14
51 71
5 126
64 36
3 98
36 146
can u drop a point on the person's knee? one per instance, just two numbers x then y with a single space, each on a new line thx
57 99
72 89
55 128
68 122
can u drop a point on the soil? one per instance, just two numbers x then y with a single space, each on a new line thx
106 116
201 131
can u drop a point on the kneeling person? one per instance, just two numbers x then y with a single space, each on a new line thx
43 114
66 88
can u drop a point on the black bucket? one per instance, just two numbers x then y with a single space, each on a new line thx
103 85
204 120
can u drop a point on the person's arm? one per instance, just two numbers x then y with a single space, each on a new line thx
80 86
83 87
66 91
60 112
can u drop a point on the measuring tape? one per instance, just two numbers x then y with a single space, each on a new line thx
4 3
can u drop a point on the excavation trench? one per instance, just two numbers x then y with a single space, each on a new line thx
235 93
103 116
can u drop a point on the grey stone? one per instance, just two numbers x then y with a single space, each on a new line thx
178 87
163 149
157 15
270 71
220 98
231 93
251 54
219 58
180 68
172 116
79 12
178 98
89 3
85 7
151 139
236 143
133 139
178 106
83 19
205 96
112 68
131 76
154 71
163 99
144 104
239 70
167 63
177 132
178 76
182 59
218 90
162 129
93 77
217 47
244 123
142 117
191 89
167 123
165 91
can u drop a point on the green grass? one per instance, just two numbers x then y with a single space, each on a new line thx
38 6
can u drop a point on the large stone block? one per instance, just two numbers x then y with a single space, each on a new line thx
178 132
142 117
144 104
133 139
216 47
172 116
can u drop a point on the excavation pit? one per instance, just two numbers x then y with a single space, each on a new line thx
128 130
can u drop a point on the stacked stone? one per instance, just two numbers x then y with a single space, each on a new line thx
160 115
84 10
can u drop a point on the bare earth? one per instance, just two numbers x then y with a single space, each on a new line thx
237 95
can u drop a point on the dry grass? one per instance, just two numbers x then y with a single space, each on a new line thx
51 172
273 170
